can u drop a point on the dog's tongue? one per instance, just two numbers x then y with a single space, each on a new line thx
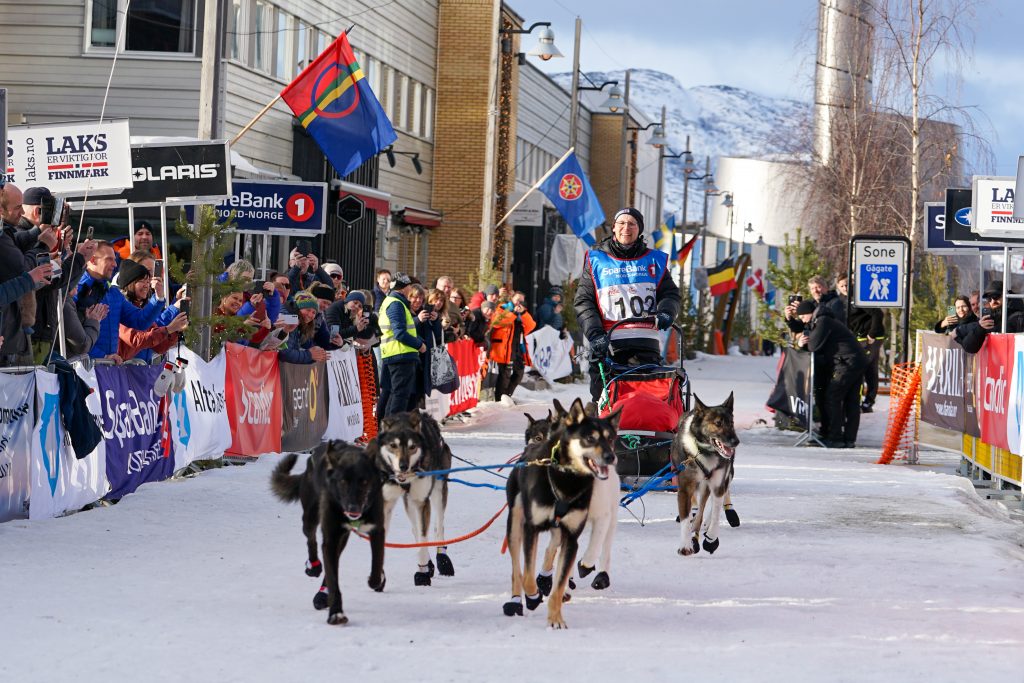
727 451
600 471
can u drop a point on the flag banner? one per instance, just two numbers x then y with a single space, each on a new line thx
549 353
569 190
60 481
467 357
253 394
17 416
199 422
333 101
942 381
345 402
789 396
304 413
684 253
756 281
995 369
133 423
663 240
722 278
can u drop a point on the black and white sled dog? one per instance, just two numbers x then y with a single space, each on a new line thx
705 444
552 491
409 443
601 516
340 492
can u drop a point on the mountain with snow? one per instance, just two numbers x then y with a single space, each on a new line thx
721 121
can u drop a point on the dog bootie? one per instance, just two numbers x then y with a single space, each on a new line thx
313 568
514 607
320 599
572 584
732 516
533 601
422 577
544 583
709 545
583 569
601 581
444 565
430 568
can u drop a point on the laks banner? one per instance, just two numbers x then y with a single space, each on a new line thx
60 481
550 355
71 158
995 370
346 406
253 392
199 420
133 423
17 415
304 410
942 381
467 362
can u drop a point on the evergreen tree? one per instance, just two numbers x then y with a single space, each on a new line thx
799 261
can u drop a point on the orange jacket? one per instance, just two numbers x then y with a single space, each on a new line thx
502 328
123 248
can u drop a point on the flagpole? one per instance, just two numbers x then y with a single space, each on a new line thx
535 186
254 120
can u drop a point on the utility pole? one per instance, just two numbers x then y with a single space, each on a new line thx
686 181
574 106
624 171
660 194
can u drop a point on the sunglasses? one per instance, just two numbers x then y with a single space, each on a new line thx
335 276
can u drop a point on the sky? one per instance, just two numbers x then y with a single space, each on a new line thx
768 47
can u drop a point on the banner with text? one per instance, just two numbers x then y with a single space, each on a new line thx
550 355
304 410
17 416
942 381
344 397
71 158
995 368
253 393
789 396
468 357
199 421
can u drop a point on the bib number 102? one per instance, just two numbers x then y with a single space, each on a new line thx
638 307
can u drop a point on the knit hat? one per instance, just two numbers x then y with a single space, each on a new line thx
555 290
130 272
33 196
630 211
490 290
806 306
356 296
321 291
400 281
144 225
305 300
488 306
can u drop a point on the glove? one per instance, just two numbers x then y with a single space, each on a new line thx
599 347
664 321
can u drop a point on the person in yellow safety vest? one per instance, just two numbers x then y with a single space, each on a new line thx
400 351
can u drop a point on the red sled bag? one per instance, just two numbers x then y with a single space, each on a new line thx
649 405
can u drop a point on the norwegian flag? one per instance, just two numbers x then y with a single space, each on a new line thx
756 281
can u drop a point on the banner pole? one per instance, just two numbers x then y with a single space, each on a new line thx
535 186
254 119
165 252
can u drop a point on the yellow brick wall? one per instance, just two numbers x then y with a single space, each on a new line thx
606 162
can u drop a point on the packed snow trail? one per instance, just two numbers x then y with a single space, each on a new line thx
841 570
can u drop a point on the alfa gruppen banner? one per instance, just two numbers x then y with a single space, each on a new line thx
199 415
253 393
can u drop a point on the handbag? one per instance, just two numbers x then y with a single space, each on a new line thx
444 376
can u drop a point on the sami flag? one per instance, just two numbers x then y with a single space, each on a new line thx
722 278
335 105
569 190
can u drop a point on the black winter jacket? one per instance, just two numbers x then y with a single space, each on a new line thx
867 322
972 336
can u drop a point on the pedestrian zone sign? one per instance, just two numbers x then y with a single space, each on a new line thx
880 271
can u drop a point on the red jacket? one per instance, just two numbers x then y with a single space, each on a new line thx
502 329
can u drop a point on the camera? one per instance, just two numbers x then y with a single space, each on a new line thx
795 298
304 247
256 287
335 330
184 306
985 310
288 319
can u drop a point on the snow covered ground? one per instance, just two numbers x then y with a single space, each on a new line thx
841 570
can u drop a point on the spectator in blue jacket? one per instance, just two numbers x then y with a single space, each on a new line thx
94 287
550 311
311 340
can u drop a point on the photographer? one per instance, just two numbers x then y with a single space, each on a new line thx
311 340
958 314
972 336
137 281
827 337
353 320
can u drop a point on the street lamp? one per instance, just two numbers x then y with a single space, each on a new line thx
612 103
545 48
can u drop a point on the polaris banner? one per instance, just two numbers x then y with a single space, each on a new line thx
133 424
61 482
275 206
199 415
71 158
304 413
253 393
17 416
789 396
467 357
177 172
344 396
942 381
550 355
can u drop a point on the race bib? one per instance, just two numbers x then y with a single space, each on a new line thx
634 300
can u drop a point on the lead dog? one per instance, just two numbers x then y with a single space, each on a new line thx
409 443
601 516
340 492
705 445
552 491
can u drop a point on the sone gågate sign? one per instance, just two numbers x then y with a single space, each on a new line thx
880 273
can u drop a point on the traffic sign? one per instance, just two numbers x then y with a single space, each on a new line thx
880 271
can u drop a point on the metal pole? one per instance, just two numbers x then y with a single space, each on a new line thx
686 175
164 251
1006 269
131 229
574 105
660 194
624 170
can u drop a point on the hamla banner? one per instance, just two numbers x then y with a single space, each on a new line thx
344 398
17 416
61 482
942 381
550 355
994 372
199 422
133 423
253 393
304 409
71 158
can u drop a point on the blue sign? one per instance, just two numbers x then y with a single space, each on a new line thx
276 206
879 283
935 231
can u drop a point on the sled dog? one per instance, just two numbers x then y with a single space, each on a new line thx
340 492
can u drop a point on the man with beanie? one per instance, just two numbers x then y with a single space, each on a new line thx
400 350
829 338
624 279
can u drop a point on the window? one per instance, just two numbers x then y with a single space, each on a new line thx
261 53
428 113
321 42
372 71
153 25
282 62
404 114
388 91
301 47
236 27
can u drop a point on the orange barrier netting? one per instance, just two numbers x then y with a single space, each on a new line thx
903 406
368 389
